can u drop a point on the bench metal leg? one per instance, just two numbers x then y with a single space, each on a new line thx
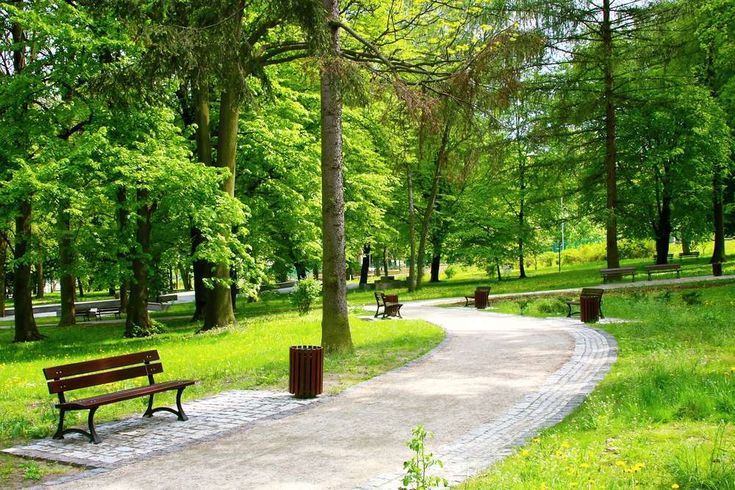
179 413
91 435
60 429
90 423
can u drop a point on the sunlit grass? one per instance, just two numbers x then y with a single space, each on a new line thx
665 415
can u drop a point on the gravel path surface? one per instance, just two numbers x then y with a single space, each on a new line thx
492 384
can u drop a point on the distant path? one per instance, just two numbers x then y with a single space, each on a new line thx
492 384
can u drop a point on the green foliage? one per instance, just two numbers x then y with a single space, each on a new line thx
418 467
305 293
450 271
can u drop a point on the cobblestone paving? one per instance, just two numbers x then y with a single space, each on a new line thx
594 353
138 438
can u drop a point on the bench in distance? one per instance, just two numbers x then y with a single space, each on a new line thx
659 268
617 273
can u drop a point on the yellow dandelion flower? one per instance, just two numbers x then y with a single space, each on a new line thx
675 486
585 465
525 453
620 463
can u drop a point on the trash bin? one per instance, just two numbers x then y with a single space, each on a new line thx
306 370
717 269
481 298
589 309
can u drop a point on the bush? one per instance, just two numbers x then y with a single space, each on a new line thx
551 306
305 293
450 272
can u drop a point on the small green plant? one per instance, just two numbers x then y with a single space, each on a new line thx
31 471
707 470
450 272
523 305
305 293
692 298
417 468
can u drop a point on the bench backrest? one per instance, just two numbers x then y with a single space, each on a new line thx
663 266
592 292
380 298
618 270
78 375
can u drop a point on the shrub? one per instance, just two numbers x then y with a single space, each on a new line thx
450 272
552 306
692 298
305 293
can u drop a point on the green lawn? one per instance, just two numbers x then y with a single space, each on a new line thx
252 355
665 415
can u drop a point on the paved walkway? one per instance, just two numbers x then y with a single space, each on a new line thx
493 383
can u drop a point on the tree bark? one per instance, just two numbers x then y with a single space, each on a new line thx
66 269
40 280
204 154
218 310
385 260
185 274
441 158
81 287
435 263
613 257
138 322
336 334
411 232
25 324
365 267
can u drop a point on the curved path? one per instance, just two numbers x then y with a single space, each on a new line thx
494 382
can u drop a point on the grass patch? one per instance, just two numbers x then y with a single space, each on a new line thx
665 415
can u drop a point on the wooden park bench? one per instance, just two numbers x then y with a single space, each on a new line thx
658 268
586 293
85 312
617 273
692 255
68 377
389 308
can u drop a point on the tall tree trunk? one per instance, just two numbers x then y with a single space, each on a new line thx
441 158
336 334
185 274
25 324
613 257
138 322
435 264
204 154
66 269
686 246
3 259
300 270
40 280
663 232
234 288
411 231
365 268
218 311
385 260
81 287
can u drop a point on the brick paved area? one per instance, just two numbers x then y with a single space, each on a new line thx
138 438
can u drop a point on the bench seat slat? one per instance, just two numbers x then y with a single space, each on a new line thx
88 380
96 401
76 368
